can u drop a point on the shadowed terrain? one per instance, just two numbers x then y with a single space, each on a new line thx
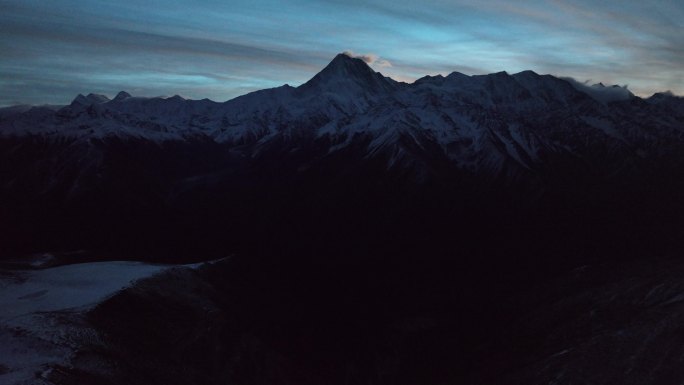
461 229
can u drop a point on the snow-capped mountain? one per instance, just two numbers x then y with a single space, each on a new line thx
492 121
524 136
463 229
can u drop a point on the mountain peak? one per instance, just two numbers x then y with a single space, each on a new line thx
663 95
97 98
346 66
122 95
79 100
90 99
345 71
526 74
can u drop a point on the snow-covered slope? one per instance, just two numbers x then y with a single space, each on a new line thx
65 287
497 121
40 309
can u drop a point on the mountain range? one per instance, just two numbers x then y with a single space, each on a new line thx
500 229
104 171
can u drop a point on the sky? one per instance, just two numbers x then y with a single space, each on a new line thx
52 50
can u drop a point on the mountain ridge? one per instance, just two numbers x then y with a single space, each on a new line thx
526 139
364 67
500 229
499 124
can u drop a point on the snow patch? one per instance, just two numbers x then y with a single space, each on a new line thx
40 309
68 287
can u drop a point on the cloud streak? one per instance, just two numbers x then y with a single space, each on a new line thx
601 92
369 58
53 50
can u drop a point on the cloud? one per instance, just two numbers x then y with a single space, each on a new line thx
62 47
52 59
370 59
383 63
601 92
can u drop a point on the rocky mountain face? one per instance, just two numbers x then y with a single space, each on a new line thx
461 229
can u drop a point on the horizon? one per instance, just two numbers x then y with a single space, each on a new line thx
585 86
54 51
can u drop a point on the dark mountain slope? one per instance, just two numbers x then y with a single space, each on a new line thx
350 163
462 229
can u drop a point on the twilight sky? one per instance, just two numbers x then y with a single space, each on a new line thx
52 50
